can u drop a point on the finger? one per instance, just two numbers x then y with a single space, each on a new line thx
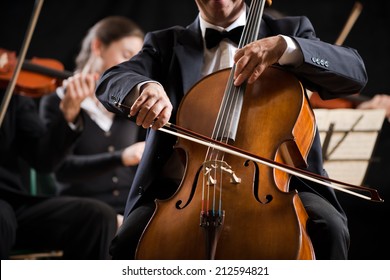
70 89
156 115
148 111
144 116
65 83
78 88
239 53
91 84
244 72
86 86
240 65
138 103
162 119
256 73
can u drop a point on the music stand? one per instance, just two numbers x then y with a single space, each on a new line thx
348 138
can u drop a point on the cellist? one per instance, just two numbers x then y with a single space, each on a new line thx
154 82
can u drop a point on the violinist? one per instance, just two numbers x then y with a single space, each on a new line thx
154 82
102 163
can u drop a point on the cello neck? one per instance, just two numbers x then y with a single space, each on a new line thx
233 97
252 26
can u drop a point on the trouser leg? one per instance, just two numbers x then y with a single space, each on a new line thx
8 226
126 240
83 228
327 228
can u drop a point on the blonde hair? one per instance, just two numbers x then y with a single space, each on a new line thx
107 30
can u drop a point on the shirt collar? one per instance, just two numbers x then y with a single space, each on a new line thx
241 20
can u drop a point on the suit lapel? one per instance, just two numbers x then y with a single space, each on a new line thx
189 52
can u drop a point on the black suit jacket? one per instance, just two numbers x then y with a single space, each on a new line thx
93 167
174 58
23 135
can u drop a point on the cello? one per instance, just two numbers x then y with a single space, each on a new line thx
227 207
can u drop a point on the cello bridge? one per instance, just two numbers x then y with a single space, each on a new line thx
212 167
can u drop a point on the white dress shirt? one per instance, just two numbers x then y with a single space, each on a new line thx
96 111
222 57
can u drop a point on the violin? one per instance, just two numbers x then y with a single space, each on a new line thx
38 77
347 102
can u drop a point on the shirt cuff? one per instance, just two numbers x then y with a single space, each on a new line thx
292 55
77 125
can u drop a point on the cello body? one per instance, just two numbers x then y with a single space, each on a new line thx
232 208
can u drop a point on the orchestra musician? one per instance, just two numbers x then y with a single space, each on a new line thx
81 227
172 60
103 161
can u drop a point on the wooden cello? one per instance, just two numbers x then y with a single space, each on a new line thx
227 207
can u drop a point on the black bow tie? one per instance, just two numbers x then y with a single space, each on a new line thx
213 37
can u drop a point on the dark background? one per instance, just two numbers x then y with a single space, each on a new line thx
62 25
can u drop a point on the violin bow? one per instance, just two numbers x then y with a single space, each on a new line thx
355 13
22 55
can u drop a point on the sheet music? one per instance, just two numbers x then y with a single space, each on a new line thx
352 135
352 172
344 119
357 145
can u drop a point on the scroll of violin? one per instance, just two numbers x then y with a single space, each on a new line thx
228 207
39 76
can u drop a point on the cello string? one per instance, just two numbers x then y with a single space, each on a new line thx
234 94
202 199
232 100
249 34
217 128
214 193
